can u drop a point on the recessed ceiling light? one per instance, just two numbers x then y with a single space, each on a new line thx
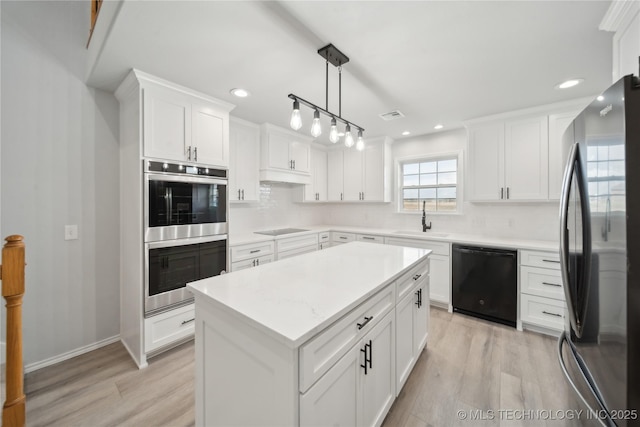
600 98
569 83
438 126
240 93
406 132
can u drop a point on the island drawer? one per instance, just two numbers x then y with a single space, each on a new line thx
541 281
323 237
540 259
251 262
252 250
339 237
407 281
320 353
541 311
369 238
168 327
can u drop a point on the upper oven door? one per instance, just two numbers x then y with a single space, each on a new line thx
178 207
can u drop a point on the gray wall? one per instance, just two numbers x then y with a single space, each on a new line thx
59 165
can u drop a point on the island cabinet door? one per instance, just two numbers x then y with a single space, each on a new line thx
333 400
405 337
379 379
421 317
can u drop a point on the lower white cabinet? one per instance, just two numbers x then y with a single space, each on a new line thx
168 327
251 255
338 237
252 262
369 238
542 305
360 388
439 271
298 245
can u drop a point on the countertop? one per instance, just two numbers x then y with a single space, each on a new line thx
468 239
295 298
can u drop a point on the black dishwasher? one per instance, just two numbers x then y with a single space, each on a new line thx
485 283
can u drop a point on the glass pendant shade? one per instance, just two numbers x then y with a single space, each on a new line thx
333 134
348 138
360 141
316 129
296 120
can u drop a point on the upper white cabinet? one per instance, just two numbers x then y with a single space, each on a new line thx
244 146
508 160
317 190
559 149
285 156
361 175
182 125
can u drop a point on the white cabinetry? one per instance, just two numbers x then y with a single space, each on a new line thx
317 190
181 125
285 156
297 245
324 240
338 237
251 255
412 321
542 305
508 160
361 175
559 149
439 269
369 238
623 18
168 328
244 147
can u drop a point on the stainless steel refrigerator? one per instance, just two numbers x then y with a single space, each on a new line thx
599 351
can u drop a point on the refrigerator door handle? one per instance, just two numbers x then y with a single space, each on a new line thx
561 341
564 237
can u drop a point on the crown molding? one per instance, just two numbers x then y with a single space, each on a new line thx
619 12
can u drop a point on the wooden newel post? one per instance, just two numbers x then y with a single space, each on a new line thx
12 275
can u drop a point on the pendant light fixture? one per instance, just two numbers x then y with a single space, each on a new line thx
331 55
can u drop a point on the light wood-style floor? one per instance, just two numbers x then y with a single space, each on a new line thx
469 364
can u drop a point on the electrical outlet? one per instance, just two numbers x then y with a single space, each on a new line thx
70 232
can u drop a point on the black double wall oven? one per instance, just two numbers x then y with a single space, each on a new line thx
185 231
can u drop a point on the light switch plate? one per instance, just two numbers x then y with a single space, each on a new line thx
70 232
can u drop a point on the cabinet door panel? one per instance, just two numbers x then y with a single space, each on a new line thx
421 320
440 279
299 152
373 184
243 157
332 401
559 149
209 137
379 388
320 175
486 160
404 339
167 124
526 159
278 152
353 165
335 175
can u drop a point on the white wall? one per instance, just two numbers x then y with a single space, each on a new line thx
526 221
59 157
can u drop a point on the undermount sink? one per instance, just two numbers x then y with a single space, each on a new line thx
420 233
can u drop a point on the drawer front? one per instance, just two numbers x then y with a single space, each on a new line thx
540 259
324 237
319 354
298 251
540 311
542 282
439 248
339 237
408 280
291 243
254 250
169 327
369 238
248 263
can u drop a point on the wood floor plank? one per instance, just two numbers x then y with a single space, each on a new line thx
469 365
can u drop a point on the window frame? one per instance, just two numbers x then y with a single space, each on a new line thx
399 179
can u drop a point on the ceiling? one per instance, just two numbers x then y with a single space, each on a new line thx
434 61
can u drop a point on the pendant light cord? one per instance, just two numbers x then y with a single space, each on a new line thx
340 91
326 87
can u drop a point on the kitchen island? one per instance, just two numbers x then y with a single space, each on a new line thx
326 338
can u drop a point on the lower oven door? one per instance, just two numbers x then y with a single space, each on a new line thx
170 265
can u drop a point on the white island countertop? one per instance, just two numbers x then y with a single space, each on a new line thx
295 298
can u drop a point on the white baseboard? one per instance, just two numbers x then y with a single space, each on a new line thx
3 352
70 354
140 363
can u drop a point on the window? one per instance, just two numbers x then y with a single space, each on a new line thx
430 181
606 174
